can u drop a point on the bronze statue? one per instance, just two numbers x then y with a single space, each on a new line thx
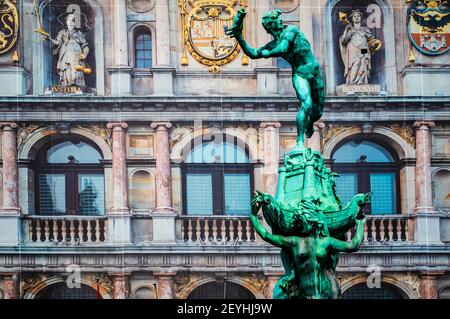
307 217
291 44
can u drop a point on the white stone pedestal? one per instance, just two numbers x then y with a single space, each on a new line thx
119 229
120 80
10 234
426 228
13 81
266 79
163 80
164 227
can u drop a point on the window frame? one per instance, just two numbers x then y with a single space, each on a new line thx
71 171
363 171
137 31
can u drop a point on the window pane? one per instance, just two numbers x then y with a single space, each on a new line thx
91 193
363 152
71 153
237 194
211 152
346 186
199 194
140 64
148 45
382 185
140 55
52 194
283 64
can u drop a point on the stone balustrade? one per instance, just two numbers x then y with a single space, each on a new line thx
387 229
72 230
216 229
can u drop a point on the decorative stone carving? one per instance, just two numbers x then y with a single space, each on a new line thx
24 131
406 132
410 279
182 280
101 131
29 281
103 283
258 281
330 130
141 6
9 26
285 6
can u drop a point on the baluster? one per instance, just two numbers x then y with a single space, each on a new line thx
406 230
38 230
206 229
72 231
223 234
197 229
382 229
214 229
398 229
365 231
248 232
391 229
189 230
349 235
55 230
63 231
30 230
239 229
97 230
373 230
105 230
89 231
46 231
231 229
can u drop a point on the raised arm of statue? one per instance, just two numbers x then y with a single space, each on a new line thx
276 240
344 246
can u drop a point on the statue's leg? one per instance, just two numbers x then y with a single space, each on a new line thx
303 91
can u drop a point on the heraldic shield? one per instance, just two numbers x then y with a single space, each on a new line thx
9 25
429 26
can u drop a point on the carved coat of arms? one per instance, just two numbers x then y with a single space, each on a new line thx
204 27
429 26
9 25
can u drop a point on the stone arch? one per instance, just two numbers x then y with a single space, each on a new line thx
38 61
388 16
40 286
405 289
181 148
38 138
402 148
131 35
194 284
140 287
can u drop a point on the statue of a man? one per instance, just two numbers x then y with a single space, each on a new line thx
72 49
355 50
290 44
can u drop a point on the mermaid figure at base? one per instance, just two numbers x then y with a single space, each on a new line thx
290 44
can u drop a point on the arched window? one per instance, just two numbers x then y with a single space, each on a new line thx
61 291
361 291
221 290
143 48
217 179
365 166
141 191
69 178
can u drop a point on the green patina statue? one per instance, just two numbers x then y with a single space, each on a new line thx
291 44
307 218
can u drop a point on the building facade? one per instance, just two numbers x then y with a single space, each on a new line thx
132 143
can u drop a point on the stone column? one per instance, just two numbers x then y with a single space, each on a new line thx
315 141
271 156
118 216
426 228
163 71
164 216
121 285
165 286
10 168
10 285
121 71
10 232
266 71
428 285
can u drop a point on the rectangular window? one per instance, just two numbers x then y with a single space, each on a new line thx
346 186
199 194
141 145
237 194
91 193
382 185
52 189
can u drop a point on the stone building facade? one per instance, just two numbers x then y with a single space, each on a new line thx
138 185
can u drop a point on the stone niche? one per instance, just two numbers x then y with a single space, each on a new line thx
53 21
374 19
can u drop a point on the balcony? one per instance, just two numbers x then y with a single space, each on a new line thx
65 230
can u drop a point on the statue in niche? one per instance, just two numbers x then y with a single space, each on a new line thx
357 44
72 50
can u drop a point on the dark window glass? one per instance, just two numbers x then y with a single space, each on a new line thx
143 49
221 290
283 64
361 291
